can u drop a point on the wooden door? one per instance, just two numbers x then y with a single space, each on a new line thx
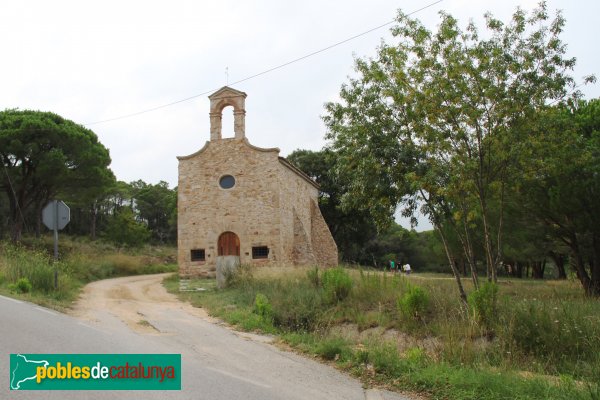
229 244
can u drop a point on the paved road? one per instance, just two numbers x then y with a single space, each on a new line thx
217 363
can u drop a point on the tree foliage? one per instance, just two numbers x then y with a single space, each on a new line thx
560 187
440 118
124 230
157 206
43 154
354 228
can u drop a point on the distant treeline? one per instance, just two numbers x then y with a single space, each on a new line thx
529 248
127 214
45 156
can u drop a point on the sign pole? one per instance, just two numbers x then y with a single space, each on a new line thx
55 244
56 215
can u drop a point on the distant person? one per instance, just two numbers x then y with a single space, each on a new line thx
406 268
392 265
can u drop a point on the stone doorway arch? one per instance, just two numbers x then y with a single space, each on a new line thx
228 244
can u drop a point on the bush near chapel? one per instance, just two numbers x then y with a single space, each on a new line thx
337 284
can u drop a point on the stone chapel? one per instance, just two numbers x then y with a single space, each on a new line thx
236 199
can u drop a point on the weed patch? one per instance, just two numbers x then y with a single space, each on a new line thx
29 270
337 284
522 340
22 285
414 302
483 303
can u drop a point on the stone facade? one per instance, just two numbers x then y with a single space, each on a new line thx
235 199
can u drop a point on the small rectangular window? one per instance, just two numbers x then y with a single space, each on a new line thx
198 255
260 252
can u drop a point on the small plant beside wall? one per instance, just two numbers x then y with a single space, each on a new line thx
313 276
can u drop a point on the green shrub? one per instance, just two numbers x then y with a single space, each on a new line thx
313 276
483 303
296 307
22 285
262 306
416 356
333 348
414 302
240 276
123 229
386 360
337 284
373 290
42 278
563 334
30 264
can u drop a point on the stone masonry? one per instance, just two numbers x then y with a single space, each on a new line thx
235 199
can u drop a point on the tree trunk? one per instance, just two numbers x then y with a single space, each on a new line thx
579 266
518 270
93 216
559 261
438 227
543 267
594 287
489 258
491 267
467 246
16 220
38 220
537 270
461 290
16 230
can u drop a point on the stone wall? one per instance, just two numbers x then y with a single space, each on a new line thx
302 251
272 203
324 247
295 196
250 209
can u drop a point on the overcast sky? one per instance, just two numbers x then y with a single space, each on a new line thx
93 61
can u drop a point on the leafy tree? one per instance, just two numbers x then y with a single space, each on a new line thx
42 155
561 185
437 119
354 229
119 196
86 206
124 230
156 205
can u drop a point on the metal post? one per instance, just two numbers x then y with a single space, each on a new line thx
55 244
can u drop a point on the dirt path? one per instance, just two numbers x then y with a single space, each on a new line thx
133 300
242 363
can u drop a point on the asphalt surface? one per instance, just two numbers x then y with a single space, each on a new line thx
217 363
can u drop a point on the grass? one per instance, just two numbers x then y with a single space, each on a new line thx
81 261
535 340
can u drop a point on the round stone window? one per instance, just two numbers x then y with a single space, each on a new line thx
227 182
